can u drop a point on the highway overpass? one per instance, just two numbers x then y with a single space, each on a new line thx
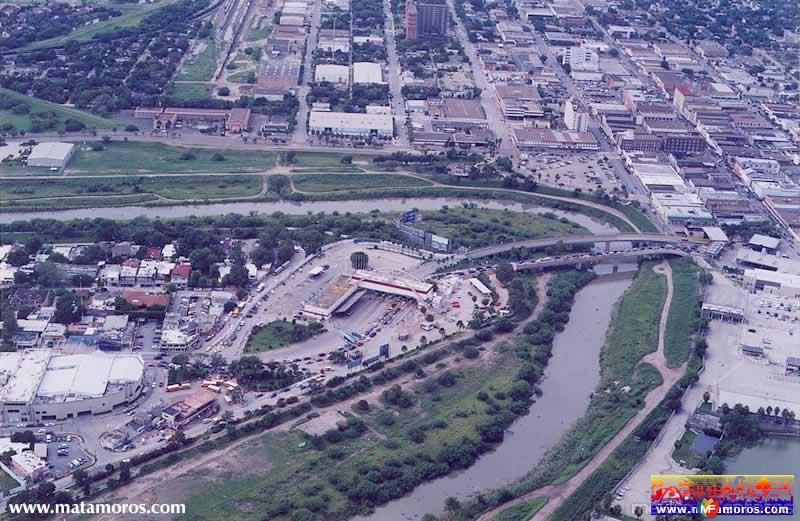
590 259
605 239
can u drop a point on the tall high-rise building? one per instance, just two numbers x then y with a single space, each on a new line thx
426 19
575 118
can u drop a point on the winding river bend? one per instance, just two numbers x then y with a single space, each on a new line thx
572 374
299 208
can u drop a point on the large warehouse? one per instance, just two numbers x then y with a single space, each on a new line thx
38 385
51 155
367 72
351 124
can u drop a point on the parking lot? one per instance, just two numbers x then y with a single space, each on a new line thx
587 172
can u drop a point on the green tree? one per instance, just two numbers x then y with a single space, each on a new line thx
68 309
48 275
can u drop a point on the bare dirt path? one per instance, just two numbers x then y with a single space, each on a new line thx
556 494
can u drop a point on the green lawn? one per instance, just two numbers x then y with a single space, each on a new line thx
62 113
260 31
304 478
523 511
683 312
338 182
319 159
189 91
20 193
279 334
474 227
241 76
131 18
137 158
7 482
199 67
10 169
684 454
635 328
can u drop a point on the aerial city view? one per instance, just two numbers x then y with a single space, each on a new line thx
399 260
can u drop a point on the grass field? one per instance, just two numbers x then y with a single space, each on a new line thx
683 312
523 511
62 112
201 66
481 227
138 158
260 31
189 91
684 454
332 162
279 334
635 330
130 18
338 182
7 482
20 193
303 476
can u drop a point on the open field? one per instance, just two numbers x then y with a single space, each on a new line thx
7 482
279 334
682 313
522 512
130 18
330 162
62 113
184 187
17 170
137 158
684 453
635 330
321 475
261 30
201 66
37 193
189 91
481 227
337 182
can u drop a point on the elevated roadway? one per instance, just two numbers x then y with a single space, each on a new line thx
606 239
590 259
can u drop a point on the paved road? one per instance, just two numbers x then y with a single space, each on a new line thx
300 134
395 87
574 239
491 107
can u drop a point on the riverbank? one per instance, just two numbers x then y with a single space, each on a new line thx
641 317
575 359
64 197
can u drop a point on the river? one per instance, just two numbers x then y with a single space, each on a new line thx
299 208
572 374
774 455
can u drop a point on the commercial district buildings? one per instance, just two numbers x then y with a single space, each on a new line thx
38 385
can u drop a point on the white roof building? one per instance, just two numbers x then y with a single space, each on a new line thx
367 72
39 385
168 251
82 376
53 155
351 124
337 74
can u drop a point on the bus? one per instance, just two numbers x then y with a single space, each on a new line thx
174 387
350 338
